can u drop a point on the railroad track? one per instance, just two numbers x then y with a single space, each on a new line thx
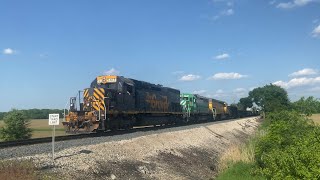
8 144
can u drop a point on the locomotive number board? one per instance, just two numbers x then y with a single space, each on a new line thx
106 79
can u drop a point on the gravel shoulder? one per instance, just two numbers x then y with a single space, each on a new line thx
188 152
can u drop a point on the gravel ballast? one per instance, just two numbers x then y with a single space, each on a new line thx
188 152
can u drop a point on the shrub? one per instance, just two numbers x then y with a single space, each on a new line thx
23 169
290 148
16 126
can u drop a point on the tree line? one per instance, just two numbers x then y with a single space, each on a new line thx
36 113
272 98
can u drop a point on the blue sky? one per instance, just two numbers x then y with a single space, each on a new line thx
218 48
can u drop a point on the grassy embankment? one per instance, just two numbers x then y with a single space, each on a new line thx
41 128
287 158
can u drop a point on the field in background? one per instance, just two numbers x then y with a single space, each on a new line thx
316 118
41 128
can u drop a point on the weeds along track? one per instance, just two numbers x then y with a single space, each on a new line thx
26 142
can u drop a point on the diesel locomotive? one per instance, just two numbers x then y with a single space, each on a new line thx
115 102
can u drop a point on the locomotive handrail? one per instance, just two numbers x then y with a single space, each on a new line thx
214 113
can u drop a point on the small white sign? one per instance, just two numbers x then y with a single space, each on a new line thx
53 119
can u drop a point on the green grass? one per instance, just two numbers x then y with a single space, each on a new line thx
239 171
40 128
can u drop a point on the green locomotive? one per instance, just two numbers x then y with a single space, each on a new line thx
199 108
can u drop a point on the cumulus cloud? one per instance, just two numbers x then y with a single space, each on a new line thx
316 31
177 72
315 89
112 71
295 3
226 12
297 82
231 75
8 51
222 56
190 77
219 91
200 92
304 72
272 2
239 90
220 94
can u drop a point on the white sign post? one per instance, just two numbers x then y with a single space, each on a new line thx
53 121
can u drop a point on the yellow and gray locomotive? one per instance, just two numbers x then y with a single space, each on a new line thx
116 102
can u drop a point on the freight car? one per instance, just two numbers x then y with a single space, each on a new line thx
115 102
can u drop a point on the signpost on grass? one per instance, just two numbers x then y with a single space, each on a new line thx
53 121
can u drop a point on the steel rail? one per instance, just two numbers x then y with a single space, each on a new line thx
8 144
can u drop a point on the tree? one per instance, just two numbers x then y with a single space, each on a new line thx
16 126
307 106
270 98
245 103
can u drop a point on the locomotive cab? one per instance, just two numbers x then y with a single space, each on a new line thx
106 96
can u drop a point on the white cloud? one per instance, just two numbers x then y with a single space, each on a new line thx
222 56
297 82
220 94
229 4
219 91
239 90
316 31
231 75
295 3
8 51
227 12
112 71
304 72
315 89
272 2
177 72
190 77
200 92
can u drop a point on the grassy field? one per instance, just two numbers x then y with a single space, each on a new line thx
41 128
316 118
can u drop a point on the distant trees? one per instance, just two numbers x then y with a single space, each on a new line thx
16 126
307 106
37 113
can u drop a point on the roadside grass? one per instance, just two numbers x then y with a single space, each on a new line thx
316 118
241 171
24 169
286 146
40 128
238 162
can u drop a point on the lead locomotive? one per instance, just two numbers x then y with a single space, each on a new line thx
115 102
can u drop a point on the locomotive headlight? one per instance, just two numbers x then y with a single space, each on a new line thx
88 104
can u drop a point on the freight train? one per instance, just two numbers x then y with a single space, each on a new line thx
115 102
